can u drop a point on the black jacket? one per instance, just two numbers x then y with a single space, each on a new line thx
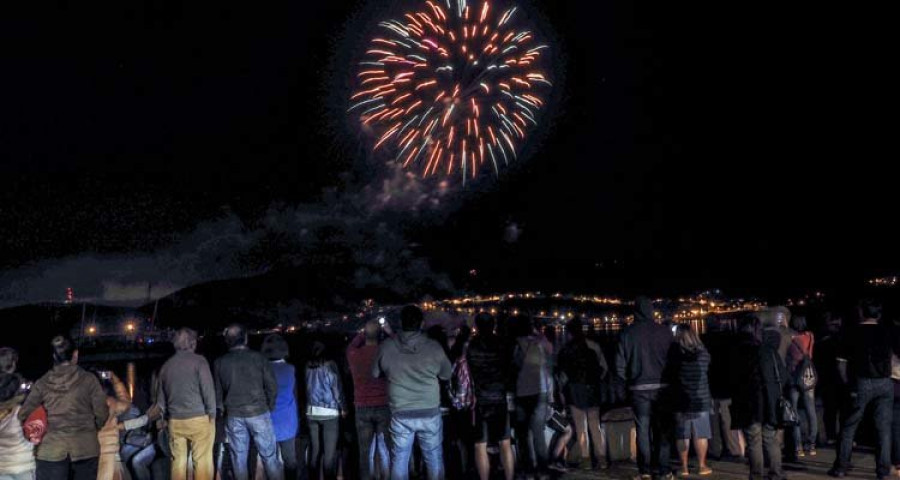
689 380
755 384
490 369
643 350
245 384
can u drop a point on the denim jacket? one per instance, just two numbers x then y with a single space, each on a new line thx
323 389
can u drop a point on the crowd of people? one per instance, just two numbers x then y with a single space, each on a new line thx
496 401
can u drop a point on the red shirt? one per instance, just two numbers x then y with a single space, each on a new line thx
368 391
801 344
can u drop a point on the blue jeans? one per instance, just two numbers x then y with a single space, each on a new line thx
807 400
140 459
532 412
879 394
370 423
654 427
429 431
239 431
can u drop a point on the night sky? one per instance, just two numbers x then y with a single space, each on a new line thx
688 146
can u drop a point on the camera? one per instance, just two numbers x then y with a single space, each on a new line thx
105 374
25 386
381 321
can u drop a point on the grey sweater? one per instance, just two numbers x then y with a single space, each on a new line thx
413 365
186 388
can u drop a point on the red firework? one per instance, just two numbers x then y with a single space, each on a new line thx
448 89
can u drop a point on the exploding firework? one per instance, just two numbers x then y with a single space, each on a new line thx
450 87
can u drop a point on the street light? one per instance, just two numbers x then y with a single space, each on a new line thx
129 327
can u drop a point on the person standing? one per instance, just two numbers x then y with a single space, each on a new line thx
414 365
864 365
284 416
533 364
246 392
76 411
489 368
758 383
800 364
16 452
186 394
582 367
370 396
324 407
725 441
640 362
689 364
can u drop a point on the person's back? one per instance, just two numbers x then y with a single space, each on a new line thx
643 350
16 453
76 410
413 365
532 358
691 369
186 386
246 390
489 367
324 397
186 394
640 363
368 391
864 364
583 362
246 383
370 396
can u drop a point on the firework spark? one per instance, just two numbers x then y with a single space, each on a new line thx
451 86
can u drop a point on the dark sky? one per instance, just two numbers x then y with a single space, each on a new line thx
690 146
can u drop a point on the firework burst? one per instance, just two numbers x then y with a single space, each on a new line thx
451 86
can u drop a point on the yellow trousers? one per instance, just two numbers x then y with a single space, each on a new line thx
201 433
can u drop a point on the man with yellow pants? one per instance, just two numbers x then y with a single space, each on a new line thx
187 395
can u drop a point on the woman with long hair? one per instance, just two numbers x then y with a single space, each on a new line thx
324 407
689 362
803 393
581 368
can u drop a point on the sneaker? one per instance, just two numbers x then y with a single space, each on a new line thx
811 451
704 471
801 454
559 467
837 473
684 474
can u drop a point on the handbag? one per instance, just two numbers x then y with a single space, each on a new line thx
557 420
785 413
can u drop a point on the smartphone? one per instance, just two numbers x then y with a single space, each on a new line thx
674 329
104 374
381 321
25 386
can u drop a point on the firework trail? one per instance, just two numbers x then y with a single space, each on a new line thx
451 86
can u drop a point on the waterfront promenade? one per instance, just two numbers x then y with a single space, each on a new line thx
810 468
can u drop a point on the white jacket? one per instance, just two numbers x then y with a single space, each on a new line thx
17 453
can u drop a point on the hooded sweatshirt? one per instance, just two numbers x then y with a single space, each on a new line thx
643 349
17 453
76 410
413 365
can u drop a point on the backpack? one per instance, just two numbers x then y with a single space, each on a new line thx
805 376
459 388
